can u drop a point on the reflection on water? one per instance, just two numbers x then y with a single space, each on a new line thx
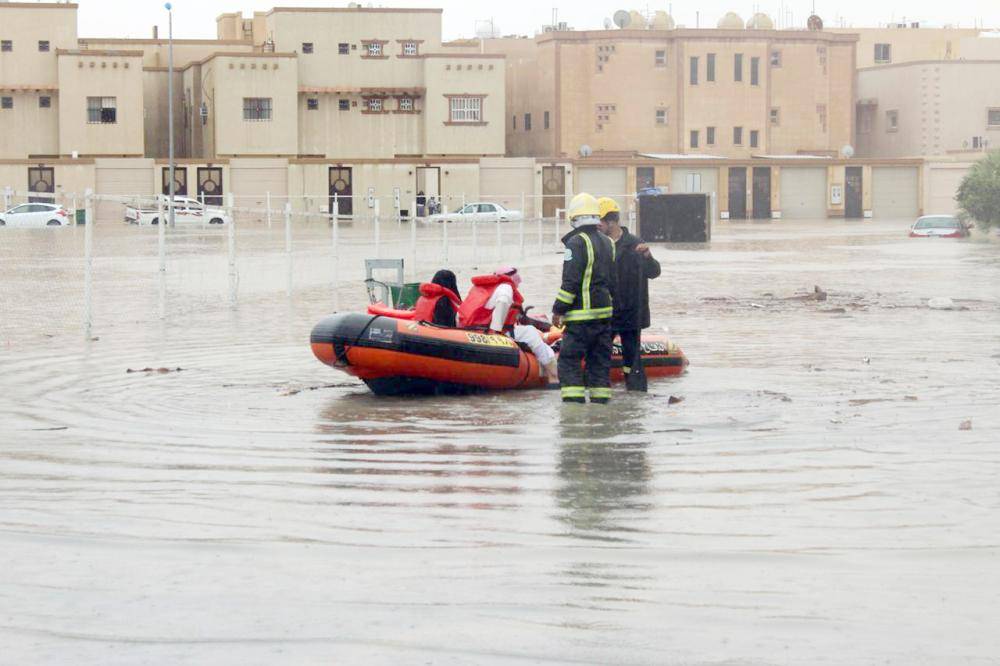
603 469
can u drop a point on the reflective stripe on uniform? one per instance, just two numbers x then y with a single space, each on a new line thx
600 393
588 272
573 392
565 297
589 314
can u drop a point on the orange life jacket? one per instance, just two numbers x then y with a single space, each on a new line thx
473 313
430 294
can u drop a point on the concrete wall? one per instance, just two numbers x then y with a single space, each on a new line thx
909 44
940 107
464 75
26 24
28 129
84 74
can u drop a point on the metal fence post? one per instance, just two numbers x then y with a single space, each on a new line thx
162 249
336 255
7 196
378 230
88 265
541 235
268 210
444 236
288 246
413 241
475 242
231 242
500 257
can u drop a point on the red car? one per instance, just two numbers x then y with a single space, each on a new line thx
938 226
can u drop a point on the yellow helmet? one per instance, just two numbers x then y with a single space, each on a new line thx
582 205
607 205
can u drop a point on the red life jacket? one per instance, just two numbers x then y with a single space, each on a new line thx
430 294
473 312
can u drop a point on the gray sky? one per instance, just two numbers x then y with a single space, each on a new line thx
196 18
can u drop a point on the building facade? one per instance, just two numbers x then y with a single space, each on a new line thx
720 92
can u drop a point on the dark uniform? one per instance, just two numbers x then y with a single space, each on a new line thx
585 301
632 304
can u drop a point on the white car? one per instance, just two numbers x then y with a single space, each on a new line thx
186 211
36 215
479 212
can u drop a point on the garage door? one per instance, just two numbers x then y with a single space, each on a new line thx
942 186
604 182
250 181
803 193
503 180
684 180
894 193
123 179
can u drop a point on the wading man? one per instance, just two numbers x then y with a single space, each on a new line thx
634 268
584 305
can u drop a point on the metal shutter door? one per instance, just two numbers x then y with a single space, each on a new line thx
894 192
803 193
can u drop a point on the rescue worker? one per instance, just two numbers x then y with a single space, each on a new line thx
584 304
634 268
494 303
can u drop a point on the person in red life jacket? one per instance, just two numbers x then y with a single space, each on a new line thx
439 300
495 303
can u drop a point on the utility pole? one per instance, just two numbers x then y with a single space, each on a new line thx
170 109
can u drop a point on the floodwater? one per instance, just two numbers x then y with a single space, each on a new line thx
813 498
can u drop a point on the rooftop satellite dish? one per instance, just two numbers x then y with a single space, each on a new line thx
622 18
814 23
847 151
586 151
608 24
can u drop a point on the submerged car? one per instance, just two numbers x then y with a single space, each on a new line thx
479 212
186 212
938 226
35 215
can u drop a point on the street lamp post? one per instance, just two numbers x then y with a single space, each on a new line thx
170 109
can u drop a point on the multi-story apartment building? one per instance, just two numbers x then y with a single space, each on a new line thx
910 42
729 92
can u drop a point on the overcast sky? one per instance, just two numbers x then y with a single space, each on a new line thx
196 18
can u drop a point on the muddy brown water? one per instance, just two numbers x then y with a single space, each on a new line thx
811 499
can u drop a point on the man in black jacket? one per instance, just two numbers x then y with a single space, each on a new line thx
635 267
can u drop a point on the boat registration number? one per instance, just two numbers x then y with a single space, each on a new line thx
492 340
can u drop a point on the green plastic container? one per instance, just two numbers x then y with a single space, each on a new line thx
80 215
405 295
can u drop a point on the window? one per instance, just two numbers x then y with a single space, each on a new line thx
864 120
374 104
102 110
775 116
891 121
513 121
754 138
44 102
710 67
374 49
978 143
710 136
775 58
344 104
737 136
755 71
406 104
409 48
993 117
661 59
661 116
694 138
883 53
312 104
545 120
6 102
6 45
43 45
257 109
738 67
466 109
307 47
343 48
527 122
694 70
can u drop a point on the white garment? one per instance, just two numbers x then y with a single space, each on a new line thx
500 302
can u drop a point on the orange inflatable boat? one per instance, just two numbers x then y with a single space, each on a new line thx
398 356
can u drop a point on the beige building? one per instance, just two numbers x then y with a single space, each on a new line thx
928 108
721 92
911 42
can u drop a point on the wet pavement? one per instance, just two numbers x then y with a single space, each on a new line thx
812 498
